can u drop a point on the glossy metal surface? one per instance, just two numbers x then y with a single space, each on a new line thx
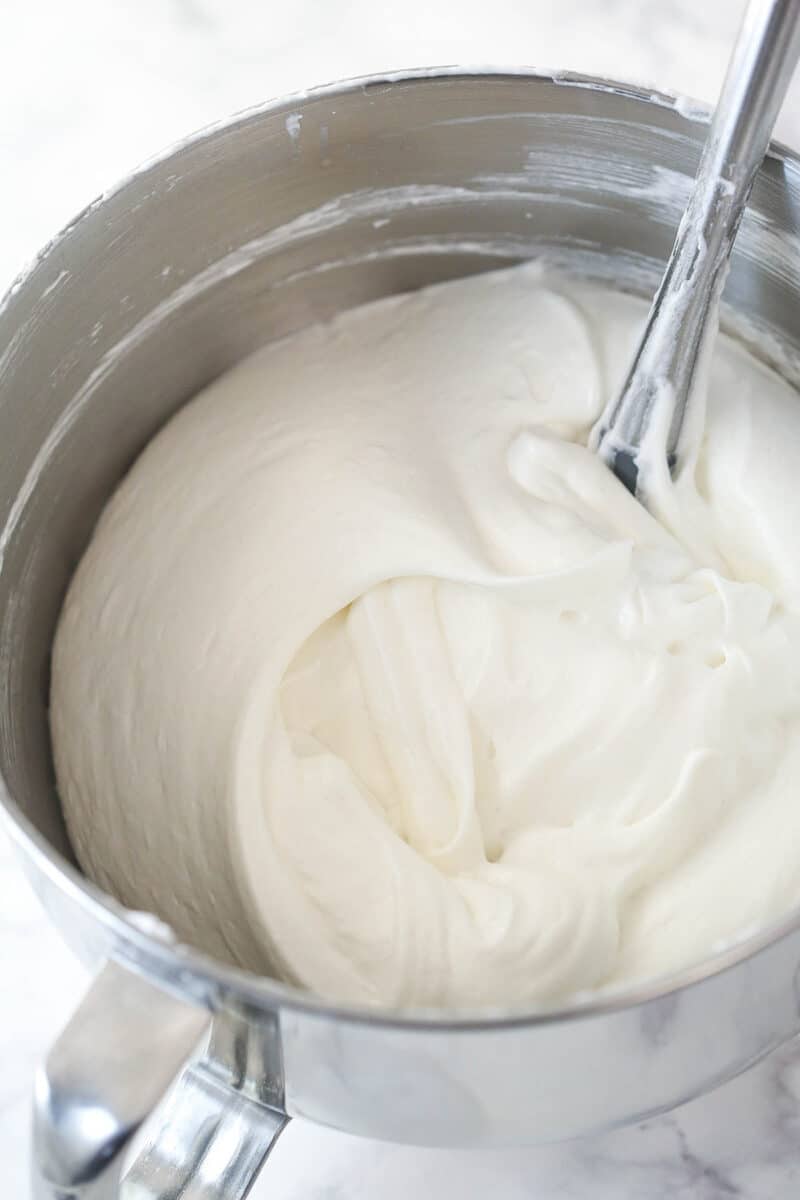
682 321
107 1070
245 233
212 1134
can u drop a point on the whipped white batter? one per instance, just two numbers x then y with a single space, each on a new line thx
375 678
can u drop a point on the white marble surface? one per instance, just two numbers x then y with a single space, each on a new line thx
88 88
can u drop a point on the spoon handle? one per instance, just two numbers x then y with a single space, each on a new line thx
653 400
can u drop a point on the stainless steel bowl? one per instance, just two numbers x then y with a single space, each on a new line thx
246 232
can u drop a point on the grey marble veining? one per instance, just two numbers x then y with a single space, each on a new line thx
742 1142
88 89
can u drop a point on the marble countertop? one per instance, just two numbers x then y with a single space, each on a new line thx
89 88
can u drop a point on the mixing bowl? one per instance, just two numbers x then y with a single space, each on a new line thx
245 233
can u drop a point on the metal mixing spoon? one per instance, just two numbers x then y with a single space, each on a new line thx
647 416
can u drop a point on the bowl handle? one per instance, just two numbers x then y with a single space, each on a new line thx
111 1066
219 1121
